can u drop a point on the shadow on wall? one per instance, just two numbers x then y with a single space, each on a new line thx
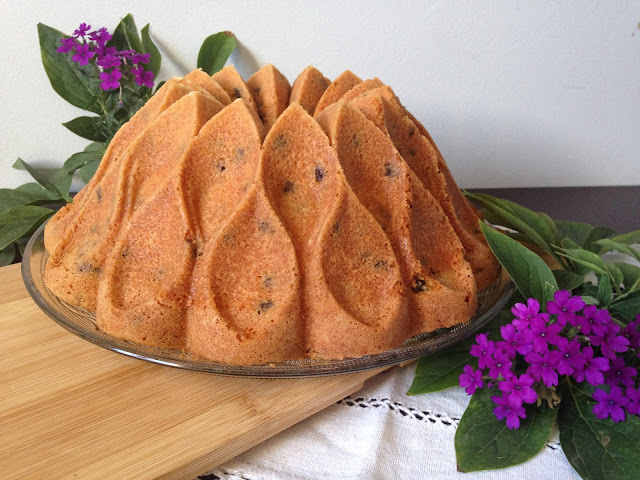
244 61
615 207
241 58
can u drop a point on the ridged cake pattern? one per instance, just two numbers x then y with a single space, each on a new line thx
227 221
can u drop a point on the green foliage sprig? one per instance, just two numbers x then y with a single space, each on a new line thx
82 84
525 243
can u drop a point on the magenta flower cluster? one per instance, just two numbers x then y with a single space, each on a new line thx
115 66
570 339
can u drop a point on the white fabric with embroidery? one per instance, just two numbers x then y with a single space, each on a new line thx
381 433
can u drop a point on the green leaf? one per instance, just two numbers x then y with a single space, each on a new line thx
87 127
68 79
568 280
568 243
88 170
149 47
598 449
484 443
17 222
628 238
125 35
587 289
517 217
598 233
131 33
584 260
630 275
576 231
92 153
608 245
21 243
589 300
626 307
527 270
442 369
27 194
37 190
7 255
604 290
215 51
615 274
55 180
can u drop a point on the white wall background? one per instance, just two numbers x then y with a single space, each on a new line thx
536 93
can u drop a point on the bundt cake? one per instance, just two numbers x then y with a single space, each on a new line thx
258 222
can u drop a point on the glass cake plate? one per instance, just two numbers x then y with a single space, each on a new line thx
83 323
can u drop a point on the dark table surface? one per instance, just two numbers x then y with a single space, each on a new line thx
615 207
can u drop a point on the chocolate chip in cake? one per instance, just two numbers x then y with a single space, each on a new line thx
381 265
280 141
99 194
288 187
236 93
319 173
239 155
265 226
264 306
412 130
389 171
418 285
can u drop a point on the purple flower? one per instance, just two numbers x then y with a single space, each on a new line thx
142 77
103 51
610 404
110 79
610 343
633 394
471 380
543 366
519 388
82 30
592 368
515 339
66 45
83 54
619 373
500 365
632 333
483 349
140 58
541 334
565 306
571 357
524 313
126 53
510 409
101 36
109 61
592 321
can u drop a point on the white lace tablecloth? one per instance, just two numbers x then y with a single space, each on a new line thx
381 433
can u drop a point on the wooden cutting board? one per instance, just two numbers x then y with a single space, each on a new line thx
70 409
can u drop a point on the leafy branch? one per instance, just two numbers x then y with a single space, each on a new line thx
24 209
526 243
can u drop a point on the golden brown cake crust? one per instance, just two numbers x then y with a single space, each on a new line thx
308 87
251 235
271 91
229 79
